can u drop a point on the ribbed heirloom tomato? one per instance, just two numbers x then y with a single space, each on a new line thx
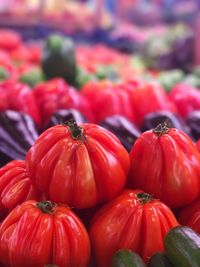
133 220
165 162
186 98
56 94
78 165
190 215
15 185
41 233
108 99
18 96
149 97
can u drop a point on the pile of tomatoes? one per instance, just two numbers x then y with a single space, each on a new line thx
79 195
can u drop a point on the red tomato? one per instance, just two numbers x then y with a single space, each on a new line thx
19 97
36 234
165 162
108 100
56 94
133 220
9 39
24 53
15 185
190 216
4 103
7 64
150 97
198 145
78 165
186 98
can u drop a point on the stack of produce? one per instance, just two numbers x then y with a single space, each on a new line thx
104 175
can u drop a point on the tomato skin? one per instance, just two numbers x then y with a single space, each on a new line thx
24 53
150 97
30 237
126 223
19 97
190 216
79 173
166 166
198 145
186 98
108 100
15 185
56 94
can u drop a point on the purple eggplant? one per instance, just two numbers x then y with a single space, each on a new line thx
17 135
193 121
64 115
125 130
173 121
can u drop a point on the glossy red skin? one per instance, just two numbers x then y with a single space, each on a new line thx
56 94
90 59
19 97
150 97
125 223
166 166
79 173
108 100
190 216
186 98
29 237
15 185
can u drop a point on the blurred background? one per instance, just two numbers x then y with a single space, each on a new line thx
163 33
154 28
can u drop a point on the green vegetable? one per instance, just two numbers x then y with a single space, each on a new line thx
127 258
58 59
192 80
182 246
83 77
196 71
32 77
160 260
106 72
3 74
169 78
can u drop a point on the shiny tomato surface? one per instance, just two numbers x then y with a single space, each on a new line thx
133 220
57 94
78 165
150 97
15 185
19 97
186 98
106 100
41 233
190 216
166 163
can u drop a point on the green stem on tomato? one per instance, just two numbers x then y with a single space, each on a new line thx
46 206
144 198
75 130
161 129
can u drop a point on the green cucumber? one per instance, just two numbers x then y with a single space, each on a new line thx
160 260
126 258
58 59
182 246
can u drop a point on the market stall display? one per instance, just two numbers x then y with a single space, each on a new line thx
99 136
